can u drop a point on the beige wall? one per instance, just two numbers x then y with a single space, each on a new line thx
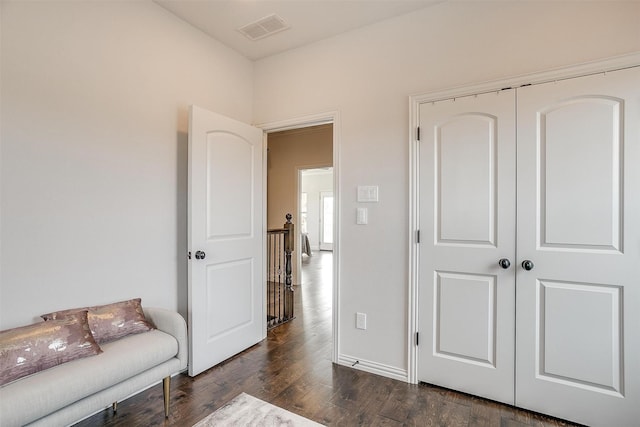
290 151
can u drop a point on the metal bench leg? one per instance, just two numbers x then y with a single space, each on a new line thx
166 391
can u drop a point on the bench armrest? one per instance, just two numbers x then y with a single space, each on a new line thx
173 324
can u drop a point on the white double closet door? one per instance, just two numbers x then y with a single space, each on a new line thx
545 178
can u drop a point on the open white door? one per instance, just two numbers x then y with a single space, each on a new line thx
226 309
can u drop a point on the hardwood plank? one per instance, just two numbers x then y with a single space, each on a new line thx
426 409
292 369
400 402
484 413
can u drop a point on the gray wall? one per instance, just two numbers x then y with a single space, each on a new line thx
367 75
94 150
93 138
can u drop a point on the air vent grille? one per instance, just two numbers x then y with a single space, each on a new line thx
264 27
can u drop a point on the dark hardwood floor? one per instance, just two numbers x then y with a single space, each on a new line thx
292 369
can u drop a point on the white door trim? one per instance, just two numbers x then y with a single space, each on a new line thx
594 67
315 120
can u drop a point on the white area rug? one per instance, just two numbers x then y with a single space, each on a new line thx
245 410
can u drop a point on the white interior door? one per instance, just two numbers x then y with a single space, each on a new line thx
226 228
467 224
578 308
326 220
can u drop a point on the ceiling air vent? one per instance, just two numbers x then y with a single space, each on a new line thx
263 27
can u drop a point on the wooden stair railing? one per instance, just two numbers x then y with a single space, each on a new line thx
280 245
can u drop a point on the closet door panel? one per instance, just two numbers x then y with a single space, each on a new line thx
579 173
578 307
467 222
465 179
465 318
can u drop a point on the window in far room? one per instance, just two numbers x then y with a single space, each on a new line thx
303 212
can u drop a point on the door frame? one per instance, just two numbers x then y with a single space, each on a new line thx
579 70
330 117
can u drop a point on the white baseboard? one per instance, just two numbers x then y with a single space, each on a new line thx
374 367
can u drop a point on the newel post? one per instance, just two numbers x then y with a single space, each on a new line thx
288 248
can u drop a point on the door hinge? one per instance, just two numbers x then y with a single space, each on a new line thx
418 133
417 338
417 236
189 255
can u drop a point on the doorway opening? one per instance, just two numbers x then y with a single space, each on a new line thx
293 149
316 203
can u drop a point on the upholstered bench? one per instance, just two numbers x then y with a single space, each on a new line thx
71 391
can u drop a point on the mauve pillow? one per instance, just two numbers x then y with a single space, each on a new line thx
29 349
112 321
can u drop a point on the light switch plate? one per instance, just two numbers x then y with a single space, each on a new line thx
367 193
362 216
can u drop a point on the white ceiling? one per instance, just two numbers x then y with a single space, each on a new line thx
310 20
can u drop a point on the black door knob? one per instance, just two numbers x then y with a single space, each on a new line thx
527 265
200 255
504 263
